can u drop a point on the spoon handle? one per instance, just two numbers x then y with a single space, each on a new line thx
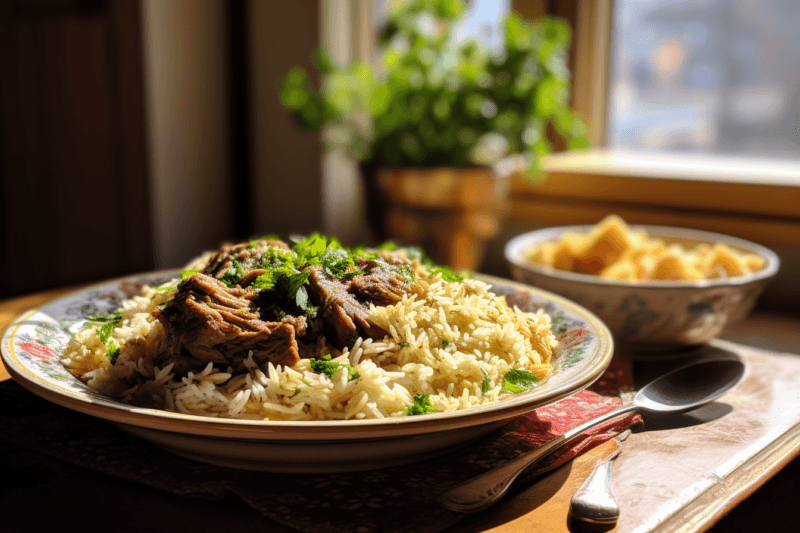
593 501
485 489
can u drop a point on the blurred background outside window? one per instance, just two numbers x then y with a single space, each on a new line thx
712 76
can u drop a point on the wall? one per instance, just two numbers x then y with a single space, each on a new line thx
185 71
286 159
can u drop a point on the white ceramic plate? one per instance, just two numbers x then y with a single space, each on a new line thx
32 345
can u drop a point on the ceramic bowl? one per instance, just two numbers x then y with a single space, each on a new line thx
651 316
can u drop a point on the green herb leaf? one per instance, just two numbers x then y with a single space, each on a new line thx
233 275
445 344
403 344
162 305
115 317
265 280
518 381
105 331
185 275
486 384
336 262
362 252
447 274
406 273
275 258
113 351
301 299
421 406
310 248
331 368
107 324
296 392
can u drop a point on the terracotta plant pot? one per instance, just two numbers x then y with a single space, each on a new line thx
450 211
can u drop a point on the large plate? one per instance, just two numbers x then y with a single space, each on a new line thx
31 347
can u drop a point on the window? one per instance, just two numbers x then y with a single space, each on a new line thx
712 76
695 111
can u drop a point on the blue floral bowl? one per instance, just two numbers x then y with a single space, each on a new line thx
651 316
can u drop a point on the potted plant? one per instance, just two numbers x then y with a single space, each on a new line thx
440 124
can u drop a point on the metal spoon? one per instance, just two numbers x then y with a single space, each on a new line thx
594 502
676 392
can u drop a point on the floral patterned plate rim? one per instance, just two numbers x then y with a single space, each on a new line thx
32 344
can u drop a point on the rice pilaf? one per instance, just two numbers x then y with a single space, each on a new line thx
452 345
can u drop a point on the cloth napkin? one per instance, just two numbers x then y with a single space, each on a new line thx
362 502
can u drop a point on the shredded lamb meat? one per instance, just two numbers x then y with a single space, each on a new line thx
207 321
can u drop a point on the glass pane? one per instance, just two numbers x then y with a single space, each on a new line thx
483 20
713 76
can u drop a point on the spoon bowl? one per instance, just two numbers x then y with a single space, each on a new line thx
679 391
689 387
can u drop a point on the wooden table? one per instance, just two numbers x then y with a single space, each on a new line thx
28 476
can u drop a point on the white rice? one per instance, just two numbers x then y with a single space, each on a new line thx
484 337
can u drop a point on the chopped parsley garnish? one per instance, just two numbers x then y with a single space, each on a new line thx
185 275
301 299
115 317
310 248
362 252
447 274
105 331
445 344
113 351
337 263
296 392
233 275
106 324
406 273
518 381
486 384
421 406
306 381
275 258
403 344
106 327
331 368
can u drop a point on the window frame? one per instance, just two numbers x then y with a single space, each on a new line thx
753 199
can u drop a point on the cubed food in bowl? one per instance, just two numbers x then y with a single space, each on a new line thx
601 268
612 250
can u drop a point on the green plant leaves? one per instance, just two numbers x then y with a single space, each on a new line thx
431 100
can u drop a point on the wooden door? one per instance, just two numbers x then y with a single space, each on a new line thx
73 165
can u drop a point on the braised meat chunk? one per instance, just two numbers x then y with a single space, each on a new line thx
258 296
344 303
246 254
208 321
